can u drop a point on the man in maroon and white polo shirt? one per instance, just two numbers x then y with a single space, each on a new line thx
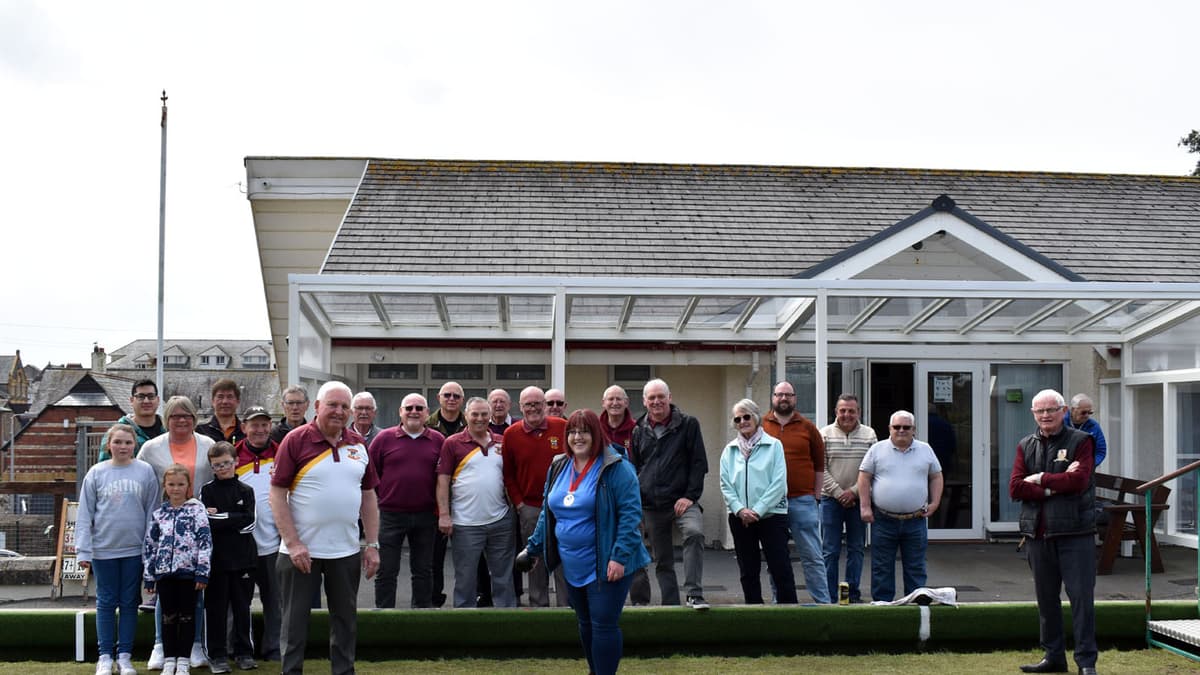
473 509
320 489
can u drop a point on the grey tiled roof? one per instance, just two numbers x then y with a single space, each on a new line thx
55 385
601 219
123 357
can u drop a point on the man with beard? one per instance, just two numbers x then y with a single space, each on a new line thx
804 451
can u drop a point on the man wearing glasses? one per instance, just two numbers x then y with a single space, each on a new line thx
529 445
364 416
804 452
295 404
1082 416
1053 479
447 420
899 488
406 457
145 420
556 403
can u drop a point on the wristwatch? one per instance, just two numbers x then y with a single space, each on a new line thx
372 544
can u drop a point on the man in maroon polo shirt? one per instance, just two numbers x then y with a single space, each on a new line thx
529 445
321 487
405 457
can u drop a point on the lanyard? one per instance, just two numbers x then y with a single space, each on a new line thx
579 479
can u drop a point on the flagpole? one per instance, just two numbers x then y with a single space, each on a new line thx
162 241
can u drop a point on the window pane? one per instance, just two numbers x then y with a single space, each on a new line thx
520 372
392 371
455 371
631 373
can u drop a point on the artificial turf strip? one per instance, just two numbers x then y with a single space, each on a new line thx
36 634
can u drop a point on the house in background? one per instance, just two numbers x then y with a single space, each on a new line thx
190 367
41 464
954 294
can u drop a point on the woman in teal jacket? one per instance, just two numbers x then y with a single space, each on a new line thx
754 484
589 525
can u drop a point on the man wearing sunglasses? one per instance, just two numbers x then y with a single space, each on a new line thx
1082 416
556 403
899 487
405 457
447 420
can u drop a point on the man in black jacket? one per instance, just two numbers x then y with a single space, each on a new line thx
668 453
1052 478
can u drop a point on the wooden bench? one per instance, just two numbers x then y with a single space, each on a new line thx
1126 510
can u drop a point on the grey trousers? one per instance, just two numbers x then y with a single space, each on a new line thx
296 590
658 525
468 542
538 578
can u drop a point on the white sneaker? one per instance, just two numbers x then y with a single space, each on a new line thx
168 667
181 667
125 664
198 659
104 665
156 661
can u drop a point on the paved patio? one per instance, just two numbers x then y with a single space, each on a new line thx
982 572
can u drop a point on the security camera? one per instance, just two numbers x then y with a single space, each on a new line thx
918 246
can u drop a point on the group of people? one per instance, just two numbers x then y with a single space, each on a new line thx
284 507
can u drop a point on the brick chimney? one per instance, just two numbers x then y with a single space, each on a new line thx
99 359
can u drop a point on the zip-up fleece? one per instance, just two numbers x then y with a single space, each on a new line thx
178 543
618 514
758 483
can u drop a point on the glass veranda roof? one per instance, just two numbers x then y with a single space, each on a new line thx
736 310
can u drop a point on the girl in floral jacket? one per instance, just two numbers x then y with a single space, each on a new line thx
176 557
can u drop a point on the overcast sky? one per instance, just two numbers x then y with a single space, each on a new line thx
1047 86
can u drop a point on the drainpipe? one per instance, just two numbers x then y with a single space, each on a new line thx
754 368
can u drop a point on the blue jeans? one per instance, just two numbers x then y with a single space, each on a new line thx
833 517
598 609
910 538
805 523
118 585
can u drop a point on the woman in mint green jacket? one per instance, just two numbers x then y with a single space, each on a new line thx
754 484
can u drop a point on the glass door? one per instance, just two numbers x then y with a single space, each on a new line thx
951 418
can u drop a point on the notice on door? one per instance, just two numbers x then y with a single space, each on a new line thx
943 389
